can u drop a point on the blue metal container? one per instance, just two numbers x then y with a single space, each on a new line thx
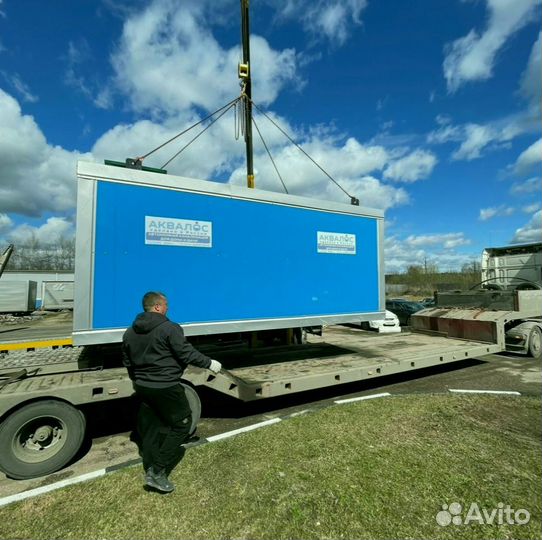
228 258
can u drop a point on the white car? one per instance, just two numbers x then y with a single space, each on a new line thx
388 325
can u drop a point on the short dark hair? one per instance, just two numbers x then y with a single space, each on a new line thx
152 298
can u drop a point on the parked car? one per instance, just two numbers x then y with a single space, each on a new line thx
403 309
428 302
387 325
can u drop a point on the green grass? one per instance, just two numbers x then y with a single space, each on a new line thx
373 469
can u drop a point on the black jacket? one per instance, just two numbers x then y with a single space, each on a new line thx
156 352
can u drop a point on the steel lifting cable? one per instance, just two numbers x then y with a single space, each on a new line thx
239 118
353 200
233 101
231 104
269 154
242 112
236 121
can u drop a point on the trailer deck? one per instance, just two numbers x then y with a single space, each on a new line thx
343 355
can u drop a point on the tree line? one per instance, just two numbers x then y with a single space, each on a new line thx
37 255
426 279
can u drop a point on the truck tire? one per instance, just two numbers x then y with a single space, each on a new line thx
195 406
40 438
535 343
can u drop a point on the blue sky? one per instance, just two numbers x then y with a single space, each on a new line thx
429 109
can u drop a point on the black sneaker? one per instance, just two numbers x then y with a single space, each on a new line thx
193 441
159 481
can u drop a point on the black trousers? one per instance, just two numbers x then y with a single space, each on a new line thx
164 424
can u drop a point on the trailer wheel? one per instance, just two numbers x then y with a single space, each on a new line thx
40 438
535 343
195 406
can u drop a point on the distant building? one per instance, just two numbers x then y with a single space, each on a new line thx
38 276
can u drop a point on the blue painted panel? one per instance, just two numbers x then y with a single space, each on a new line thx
263 262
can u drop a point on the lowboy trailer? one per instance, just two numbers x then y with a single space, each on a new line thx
319 265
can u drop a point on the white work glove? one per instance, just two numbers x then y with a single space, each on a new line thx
215 366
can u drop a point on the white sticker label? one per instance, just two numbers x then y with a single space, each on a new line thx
165 231
340 243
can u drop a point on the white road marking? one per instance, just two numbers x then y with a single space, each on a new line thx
461 391
102 472
360 398
294 414
51 487
242 430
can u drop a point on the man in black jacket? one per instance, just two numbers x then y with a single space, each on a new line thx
156 353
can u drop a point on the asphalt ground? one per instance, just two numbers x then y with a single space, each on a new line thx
42 325
110 427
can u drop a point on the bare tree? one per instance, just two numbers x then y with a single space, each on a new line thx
35 255
473 267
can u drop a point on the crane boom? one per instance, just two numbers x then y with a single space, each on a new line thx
4 258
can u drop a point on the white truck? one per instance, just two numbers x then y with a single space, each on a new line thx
517 267
512 267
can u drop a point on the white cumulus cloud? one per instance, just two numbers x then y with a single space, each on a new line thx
329 19
530 185
529 158
349 163
531 232
371 192
333 19
477 138
445 133
35 177
214 151
531 208
50 233
21 87
496 211
437 250
168 61
445 240
530 86
415 166
5 223
472 57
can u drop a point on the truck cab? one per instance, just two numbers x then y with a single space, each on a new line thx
512 267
